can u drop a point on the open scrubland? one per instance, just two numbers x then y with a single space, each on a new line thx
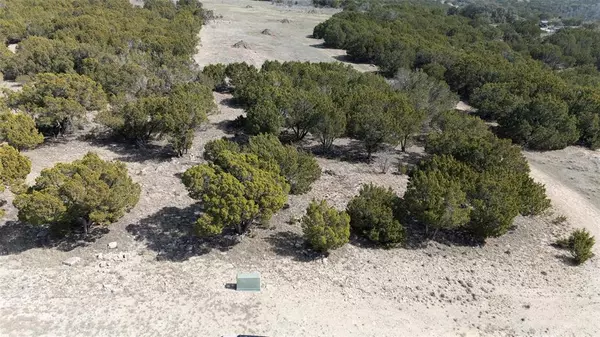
162 280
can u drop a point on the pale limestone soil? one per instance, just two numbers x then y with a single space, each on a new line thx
160 281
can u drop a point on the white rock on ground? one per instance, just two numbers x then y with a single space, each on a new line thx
112 245
72 261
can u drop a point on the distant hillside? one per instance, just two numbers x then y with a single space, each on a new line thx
585 9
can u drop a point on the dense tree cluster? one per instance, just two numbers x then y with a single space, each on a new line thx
174 116
488 56
76 57
242 185
474 181
126 49
330 100
86 192
58 102
544 9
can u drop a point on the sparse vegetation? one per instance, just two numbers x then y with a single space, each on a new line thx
580 244
326 100
559 219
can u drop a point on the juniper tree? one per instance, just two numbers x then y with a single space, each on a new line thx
86 192
324 227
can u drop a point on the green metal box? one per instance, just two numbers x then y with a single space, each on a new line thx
248 282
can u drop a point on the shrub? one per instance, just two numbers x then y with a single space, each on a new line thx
469 140
299 168
14 168
213 148
139 120
19 131
543 124
264 117
59 101
240 73
373 214
189 104
495 203
216 73
174 116
331 124
85 192
324 227
237 191
559 219
580 244
532 195
436 200
382 117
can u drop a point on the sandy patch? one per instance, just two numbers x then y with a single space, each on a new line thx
288 42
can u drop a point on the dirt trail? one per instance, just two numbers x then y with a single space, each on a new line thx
579 211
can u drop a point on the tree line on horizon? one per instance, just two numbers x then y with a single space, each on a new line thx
542 92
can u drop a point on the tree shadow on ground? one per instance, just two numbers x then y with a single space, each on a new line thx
17 237
231 102
411 158
417 237
352 152
293 245
50 141
233 127
344 58
131 152
169 232
566 259
564 256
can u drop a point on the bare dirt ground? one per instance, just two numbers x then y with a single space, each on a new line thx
162 281
245 20
572 179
